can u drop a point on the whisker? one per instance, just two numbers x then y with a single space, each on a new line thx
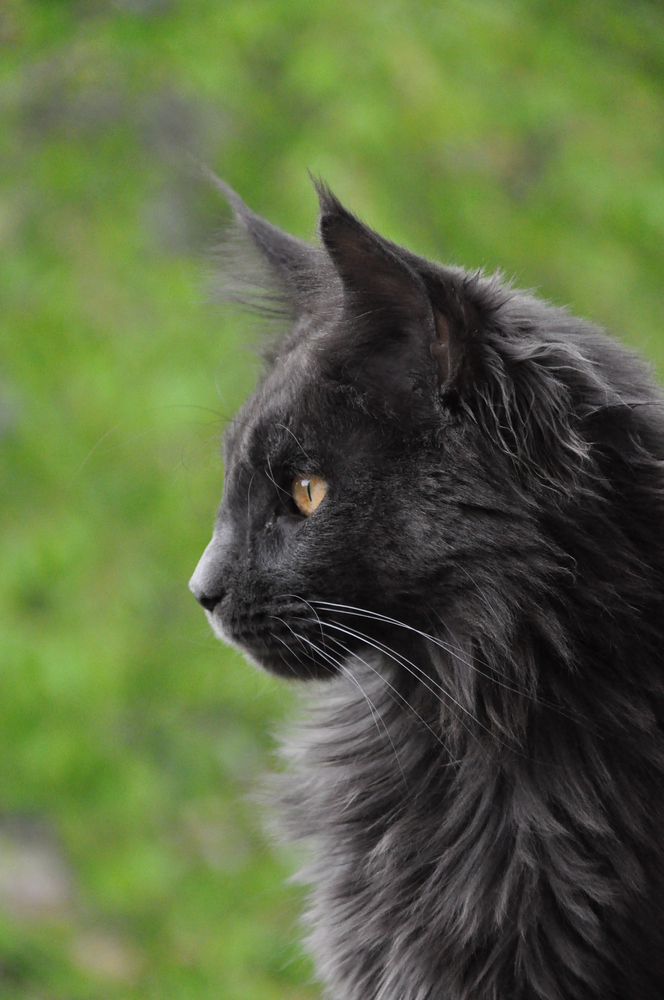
284 643
375 714
421 676
289 431
396 694
348 609
292 651
270 476
253 476
470 663
202 447
91 453
313 611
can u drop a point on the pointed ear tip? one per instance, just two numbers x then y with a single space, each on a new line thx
240 210
327 200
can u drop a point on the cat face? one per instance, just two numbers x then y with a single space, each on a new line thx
270 562
426 413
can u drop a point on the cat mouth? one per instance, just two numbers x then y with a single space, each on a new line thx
273 643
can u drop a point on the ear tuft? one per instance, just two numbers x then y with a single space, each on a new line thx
301 269
327 200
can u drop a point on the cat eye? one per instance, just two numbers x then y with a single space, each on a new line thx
308 493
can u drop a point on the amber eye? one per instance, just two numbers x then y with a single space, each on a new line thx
308 493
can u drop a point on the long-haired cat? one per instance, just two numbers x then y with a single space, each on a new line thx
443 512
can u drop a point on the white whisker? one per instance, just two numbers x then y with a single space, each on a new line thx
395 694
375 714
421 676
468 662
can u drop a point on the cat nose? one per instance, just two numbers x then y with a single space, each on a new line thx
207 584
207 601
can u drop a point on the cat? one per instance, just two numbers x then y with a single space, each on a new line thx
443 513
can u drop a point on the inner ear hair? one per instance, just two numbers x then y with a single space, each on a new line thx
441 349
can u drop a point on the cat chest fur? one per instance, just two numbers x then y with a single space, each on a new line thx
442 878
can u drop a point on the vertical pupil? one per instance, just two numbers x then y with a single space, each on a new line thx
308 485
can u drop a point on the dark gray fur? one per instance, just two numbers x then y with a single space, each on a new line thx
477 607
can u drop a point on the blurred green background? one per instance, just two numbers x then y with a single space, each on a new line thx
526 135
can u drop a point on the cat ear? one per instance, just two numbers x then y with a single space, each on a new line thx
382 289
298 266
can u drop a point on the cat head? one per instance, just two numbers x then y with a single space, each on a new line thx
397 455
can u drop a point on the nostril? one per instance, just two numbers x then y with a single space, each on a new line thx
209 601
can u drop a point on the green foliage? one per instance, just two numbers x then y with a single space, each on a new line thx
512 133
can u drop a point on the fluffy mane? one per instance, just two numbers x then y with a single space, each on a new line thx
478 614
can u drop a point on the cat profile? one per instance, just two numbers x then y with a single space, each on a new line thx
443 514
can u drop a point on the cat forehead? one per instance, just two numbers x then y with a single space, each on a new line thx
283 398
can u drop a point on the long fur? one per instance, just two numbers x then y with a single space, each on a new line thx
478 612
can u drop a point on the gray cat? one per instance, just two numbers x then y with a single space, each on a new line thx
444 512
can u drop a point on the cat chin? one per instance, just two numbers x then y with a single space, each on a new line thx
265 661
220 631
226 637
258 660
